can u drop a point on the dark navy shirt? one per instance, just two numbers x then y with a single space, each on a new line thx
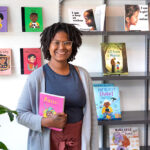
69 86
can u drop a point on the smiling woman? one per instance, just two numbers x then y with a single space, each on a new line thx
59 43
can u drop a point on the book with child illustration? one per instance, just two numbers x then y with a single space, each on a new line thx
114 58
107 100
32 20
83 19
3 19
125 138
5 61
30 59
50 104
136 18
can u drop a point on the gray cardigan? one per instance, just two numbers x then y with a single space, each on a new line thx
39 138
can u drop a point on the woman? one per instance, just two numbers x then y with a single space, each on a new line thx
59 44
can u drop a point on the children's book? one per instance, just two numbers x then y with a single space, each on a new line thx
30 59
83 19
124 138
107 100
99 15
114 58
3 19
32 20
50 104
136 17
5 61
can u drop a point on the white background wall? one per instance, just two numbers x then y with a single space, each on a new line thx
89 57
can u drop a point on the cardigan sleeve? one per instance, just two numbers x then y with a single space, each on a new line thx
27 113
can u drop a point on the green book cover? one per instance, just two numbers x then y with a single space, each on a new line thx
114 58
32 20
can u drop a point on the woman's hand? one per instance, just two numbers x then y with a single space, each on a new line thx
55 121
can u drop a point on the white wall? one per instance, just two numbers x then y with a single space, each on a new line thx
89 57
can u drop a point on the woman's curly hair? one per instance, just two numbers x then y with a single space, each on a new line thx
49 33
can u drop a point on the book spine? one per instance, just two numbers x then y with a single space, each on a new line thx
21 60
23 18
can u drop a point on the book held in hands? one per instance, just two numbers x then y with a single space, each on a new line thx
50 104
125 138
107 100
5 61
114 58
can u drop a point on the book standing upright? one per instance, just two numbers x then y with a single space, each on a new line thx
3 18
114 58
32 20
5 61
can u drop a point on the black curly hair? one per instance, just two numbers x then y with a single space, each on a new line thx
131 9
49 33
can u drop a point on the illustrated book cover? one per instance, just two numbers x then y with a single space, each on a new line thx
30 59
83 19
126 138
136 18
107 100
32 19
5 61
99 15
3 18
114 58
50 104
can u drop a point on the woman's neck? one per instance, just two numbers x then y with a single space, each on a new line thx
59 68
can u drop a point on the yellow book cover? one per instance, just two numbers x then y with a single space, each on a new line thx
114 58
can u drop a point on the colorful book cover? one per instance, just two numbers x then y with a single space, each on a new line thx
136 17
51 104
32 20
83 19
30 59
99 15
114 58
3 18
124 138
107 100
5 61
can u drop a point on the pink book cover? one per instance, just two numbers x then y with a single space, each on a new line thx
50 104
5 61
30 59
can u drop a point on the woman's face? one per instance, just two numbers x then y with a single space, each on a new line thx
134 18
60 47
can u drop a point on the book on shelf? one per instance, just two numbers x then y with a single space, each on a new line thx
136 18
30 59
99 15
32 20
114 58
107 100
5 61
83 19
50 104
125 138
3 18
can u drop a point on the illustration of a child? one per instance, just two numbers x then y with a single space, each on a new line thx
3 62
131 16
1 19
32 62
89 19
34 24
117 66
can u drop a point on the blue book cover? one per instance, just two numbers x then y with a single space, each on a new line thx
107 101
